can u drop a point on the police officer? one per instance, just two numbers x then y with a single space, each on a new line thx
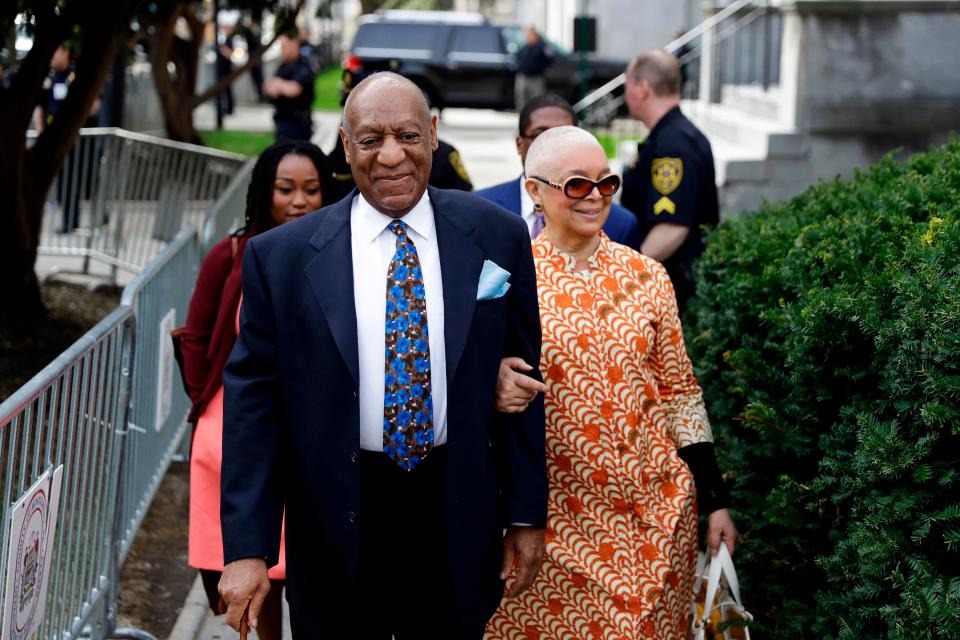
672 186
447 171
291 91
75 180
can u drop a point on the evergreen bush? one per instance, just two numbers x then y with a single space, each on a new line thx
826 336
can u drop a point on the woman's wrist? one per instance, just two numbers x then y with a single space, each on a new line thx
712 491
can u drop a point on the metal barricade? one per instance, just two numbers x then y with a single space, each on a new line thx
111 409
120 197
159 297
226 214
71 414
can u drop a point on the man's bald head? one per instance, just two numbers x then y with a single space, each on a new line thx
659 68
388 137
380 81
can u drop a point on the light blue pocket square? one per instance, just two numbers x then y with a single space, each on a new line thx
493 281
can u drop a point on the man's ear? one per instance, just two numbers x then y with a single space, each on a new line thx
434 141
345 139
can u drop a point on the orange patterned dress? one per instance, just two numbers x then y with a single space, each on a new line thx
621 530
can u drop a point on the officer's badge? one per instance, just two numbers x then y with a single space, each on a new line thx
664 204
457 164
667 174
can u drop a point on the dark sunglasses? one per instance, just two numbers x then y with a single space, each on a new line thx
578 188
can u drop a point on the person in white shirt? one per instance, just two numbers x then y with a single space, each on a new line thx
360 398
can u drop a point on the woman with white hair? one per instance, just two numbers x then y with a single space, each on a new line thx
629 447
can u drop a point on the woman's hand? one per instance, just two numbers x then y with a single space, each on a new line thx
516 391
720 528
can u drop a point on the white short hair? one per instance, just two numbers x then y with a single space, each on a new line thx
548 151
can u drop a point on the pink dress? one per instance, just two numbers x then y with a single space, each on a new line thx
206 457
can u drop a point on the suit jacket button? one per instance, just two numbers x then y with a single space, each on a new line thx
354 457
352 517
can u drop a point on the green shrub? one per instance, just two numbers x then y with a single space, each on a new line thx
826 336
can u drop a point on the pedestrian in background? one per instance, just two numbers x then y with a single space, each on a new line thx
307 50
291 91
289 180
5 61
252 34
533 58
74 183
672 185
540 114
224 66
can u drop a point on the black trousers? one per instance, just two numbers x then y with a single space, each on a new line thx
404 587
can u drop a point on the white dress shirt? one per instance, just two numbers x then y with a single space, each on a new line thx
373 246
526 207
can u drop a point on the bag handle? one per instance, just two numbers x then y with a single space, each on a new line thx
720 564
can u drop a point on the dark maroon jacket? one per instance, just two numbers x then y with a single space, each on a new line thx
211 322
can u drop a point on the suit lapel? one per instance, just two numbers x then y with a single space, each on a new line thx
460 263
330 275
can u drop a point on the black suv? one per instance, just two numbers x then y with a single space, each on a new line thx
460 59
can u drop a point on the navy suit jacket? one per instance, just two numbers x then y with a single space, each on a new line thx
621 225
291 412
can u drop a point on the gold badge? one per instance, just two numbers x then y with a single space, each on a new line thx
664 204
457 164
667 174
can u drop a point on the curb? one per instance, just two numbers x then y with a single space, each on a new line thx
193 615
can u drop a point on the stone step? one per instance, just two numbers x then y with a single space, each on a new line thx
764 136
753 99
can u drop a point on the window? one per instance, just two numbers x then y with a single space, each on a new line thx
397 36
477 40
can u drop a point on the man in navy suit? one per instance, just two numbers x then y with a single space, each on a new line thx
359 400
539 114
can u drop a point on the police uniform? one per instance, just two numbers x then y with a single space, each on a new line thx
447 171
292 117
674 181
56 86
73 183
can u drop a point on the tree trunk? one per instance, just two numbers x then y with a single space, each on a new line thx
26 175
19 288
178 91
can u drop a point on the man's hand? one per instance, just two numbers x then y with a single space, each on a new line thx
270 87
720 528
244 581
516 391
523 551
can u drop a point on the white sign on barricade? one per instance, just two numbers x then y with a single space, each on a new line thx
32 530
165 366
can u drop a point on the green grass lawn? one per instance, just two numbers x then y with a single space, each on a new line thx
248 143
609 141
326 89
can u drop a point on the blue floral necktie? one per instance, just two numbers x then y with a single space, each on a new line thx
407 403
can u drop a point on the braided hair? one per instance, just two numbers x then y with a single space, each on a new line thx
257 218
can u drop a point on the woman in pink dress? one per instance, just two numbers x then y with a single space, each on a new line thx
289 180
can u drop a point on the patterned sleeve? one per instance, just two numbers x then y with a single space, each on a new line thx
680 395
